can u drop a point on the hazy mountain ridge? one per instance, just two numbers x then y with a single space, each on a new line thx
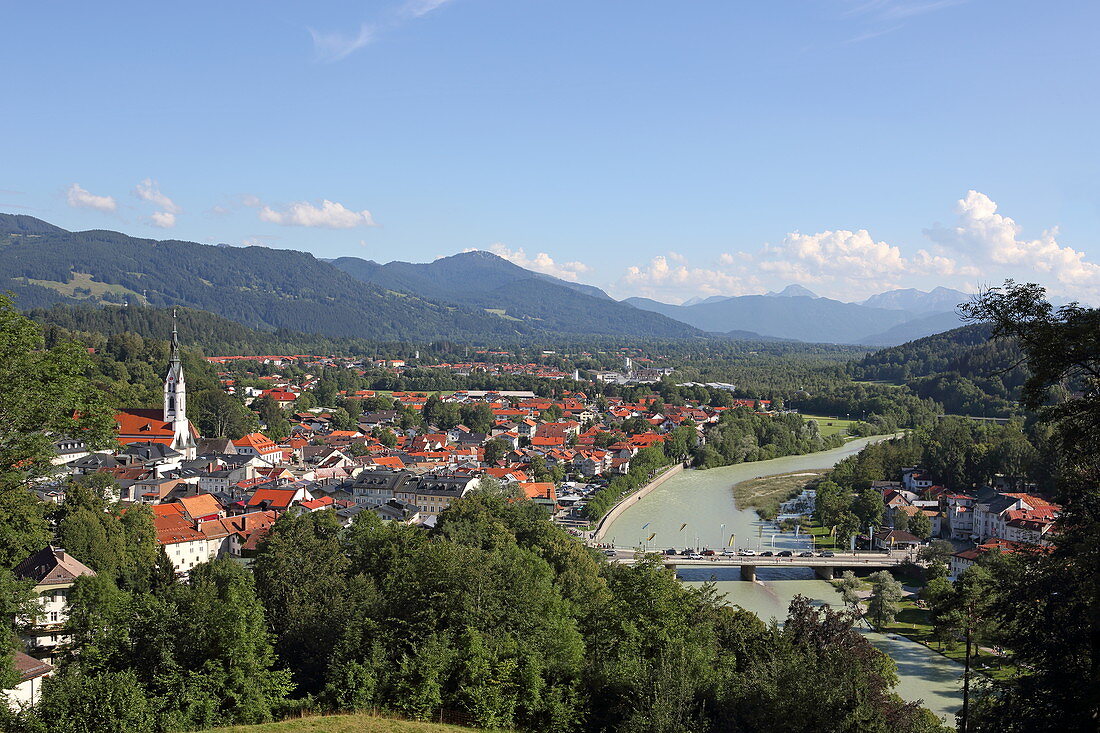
797 313
483 280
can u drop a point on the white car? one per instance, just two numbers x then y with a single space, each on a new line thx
728 552
695 556
747 553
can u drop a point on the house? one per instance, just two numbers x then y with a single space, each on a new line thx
258 444
53 572
893 539
185 546
278 500
28 690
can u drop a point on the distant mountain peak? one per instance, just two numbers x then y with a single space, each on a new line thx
793 291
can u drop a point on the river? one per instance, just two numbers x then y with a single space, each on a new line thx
703 500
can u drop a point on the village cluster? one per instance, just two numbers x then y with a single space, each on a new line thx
219 497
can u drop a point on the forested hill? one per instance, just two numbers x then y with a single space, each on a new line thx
485 281
268 289
962 369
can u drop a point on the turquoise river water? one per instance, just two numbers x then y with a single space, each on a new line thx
704 500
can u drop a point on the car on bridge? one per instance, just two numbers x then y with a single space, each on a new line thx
806 553
747 552
728 552
709 553
610 553
766 553
670 551
827 553
695 556
784 553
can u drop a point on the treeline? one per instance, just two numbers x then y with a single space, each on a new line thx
964 370
742 435
497 618
959 454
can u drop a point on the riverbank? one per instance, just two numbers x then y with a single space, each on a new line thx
765 494
608 519
696 509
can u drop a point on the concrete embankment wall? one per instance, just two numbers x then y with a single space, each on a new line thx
619 508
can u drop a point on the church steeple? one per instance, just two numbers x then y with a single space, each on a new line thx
175 398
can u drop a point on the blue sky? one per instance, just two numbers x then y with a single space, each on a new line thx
662 148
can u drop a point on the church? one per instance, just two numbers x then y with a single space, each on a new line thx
168 425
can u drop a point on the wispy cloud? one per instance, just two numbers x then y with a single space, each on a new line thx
330 47
887 16
149 190
420 8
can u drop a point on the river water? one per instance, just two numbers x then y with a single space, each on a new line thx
703 500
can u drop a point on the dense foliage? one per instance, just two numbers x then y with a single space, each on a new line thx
963 370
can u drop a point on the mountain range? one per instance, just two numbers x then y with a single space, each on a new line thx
472 296
272 289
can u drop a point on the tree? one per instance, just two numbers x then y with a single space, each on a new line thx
107 702
901 520
306 609
847 526
937 551
225 648
220 415
46 393
23 525
884 602
920 525
495 450
967 611
276 425
384 436
868 507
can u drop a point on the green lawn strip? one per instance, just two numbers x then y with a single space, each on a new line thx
823 540
915 623
355 723
830 425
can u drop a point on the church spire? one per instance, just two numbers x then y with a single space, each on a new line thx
175 397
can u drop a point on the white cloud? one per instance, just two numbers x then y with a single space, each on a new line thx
662 279
329 215
990 239
163 219
149 190
330 47
541 262
82 199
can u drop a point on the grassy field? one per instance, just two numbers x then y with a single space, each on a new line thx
765 494
822 538
831 426
915 623
344 724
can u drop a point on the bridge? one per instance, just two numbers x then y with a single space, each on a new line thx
824 567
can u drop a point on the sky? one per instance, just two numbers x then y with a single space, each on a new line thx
664 148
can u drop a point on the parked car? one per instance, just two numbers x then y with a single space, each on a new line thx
806 553
784 553
670 551
747 552
766 553
709 553
687 551
828 553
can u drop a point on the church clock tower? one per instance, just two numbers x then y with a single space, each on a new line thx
175 400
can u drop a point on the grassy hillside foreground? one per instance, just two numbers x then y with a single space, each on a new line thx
345 724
